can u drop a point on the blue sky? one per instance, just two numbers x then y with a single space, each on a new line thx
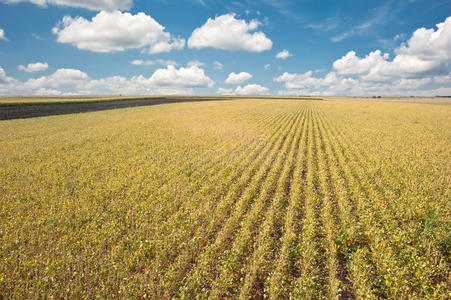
283 47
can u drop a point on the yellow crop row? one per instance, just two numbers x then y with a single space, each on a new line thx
228 199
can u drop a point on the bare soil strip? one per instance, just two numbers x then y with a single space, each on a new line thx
22 111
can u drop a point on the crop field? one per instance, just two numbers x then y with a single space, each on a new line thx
229 199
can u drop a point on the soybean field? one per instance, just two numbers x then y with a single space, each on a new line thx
245 199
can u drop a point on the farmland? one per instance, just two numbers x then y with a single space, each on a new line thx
17 107
228 199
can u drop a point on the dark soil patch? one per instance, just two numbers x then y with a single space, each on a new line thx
22 111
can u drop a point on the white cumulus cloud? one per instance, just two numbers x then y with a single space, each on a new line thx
350 64
108 5
228 33
2 35
284 54
183 77
239 78
116 31
60 78
34 67
297 81
251 89
430 44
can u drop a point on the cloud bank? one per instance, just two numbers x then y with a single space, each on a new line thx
169 80
421 66
250 89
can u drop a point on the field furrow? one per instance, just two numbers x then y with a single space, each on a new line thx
243 169
354 236
244 242
329 216
200 278
345 233
228 171
283 276
267 243
310 283
384 261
